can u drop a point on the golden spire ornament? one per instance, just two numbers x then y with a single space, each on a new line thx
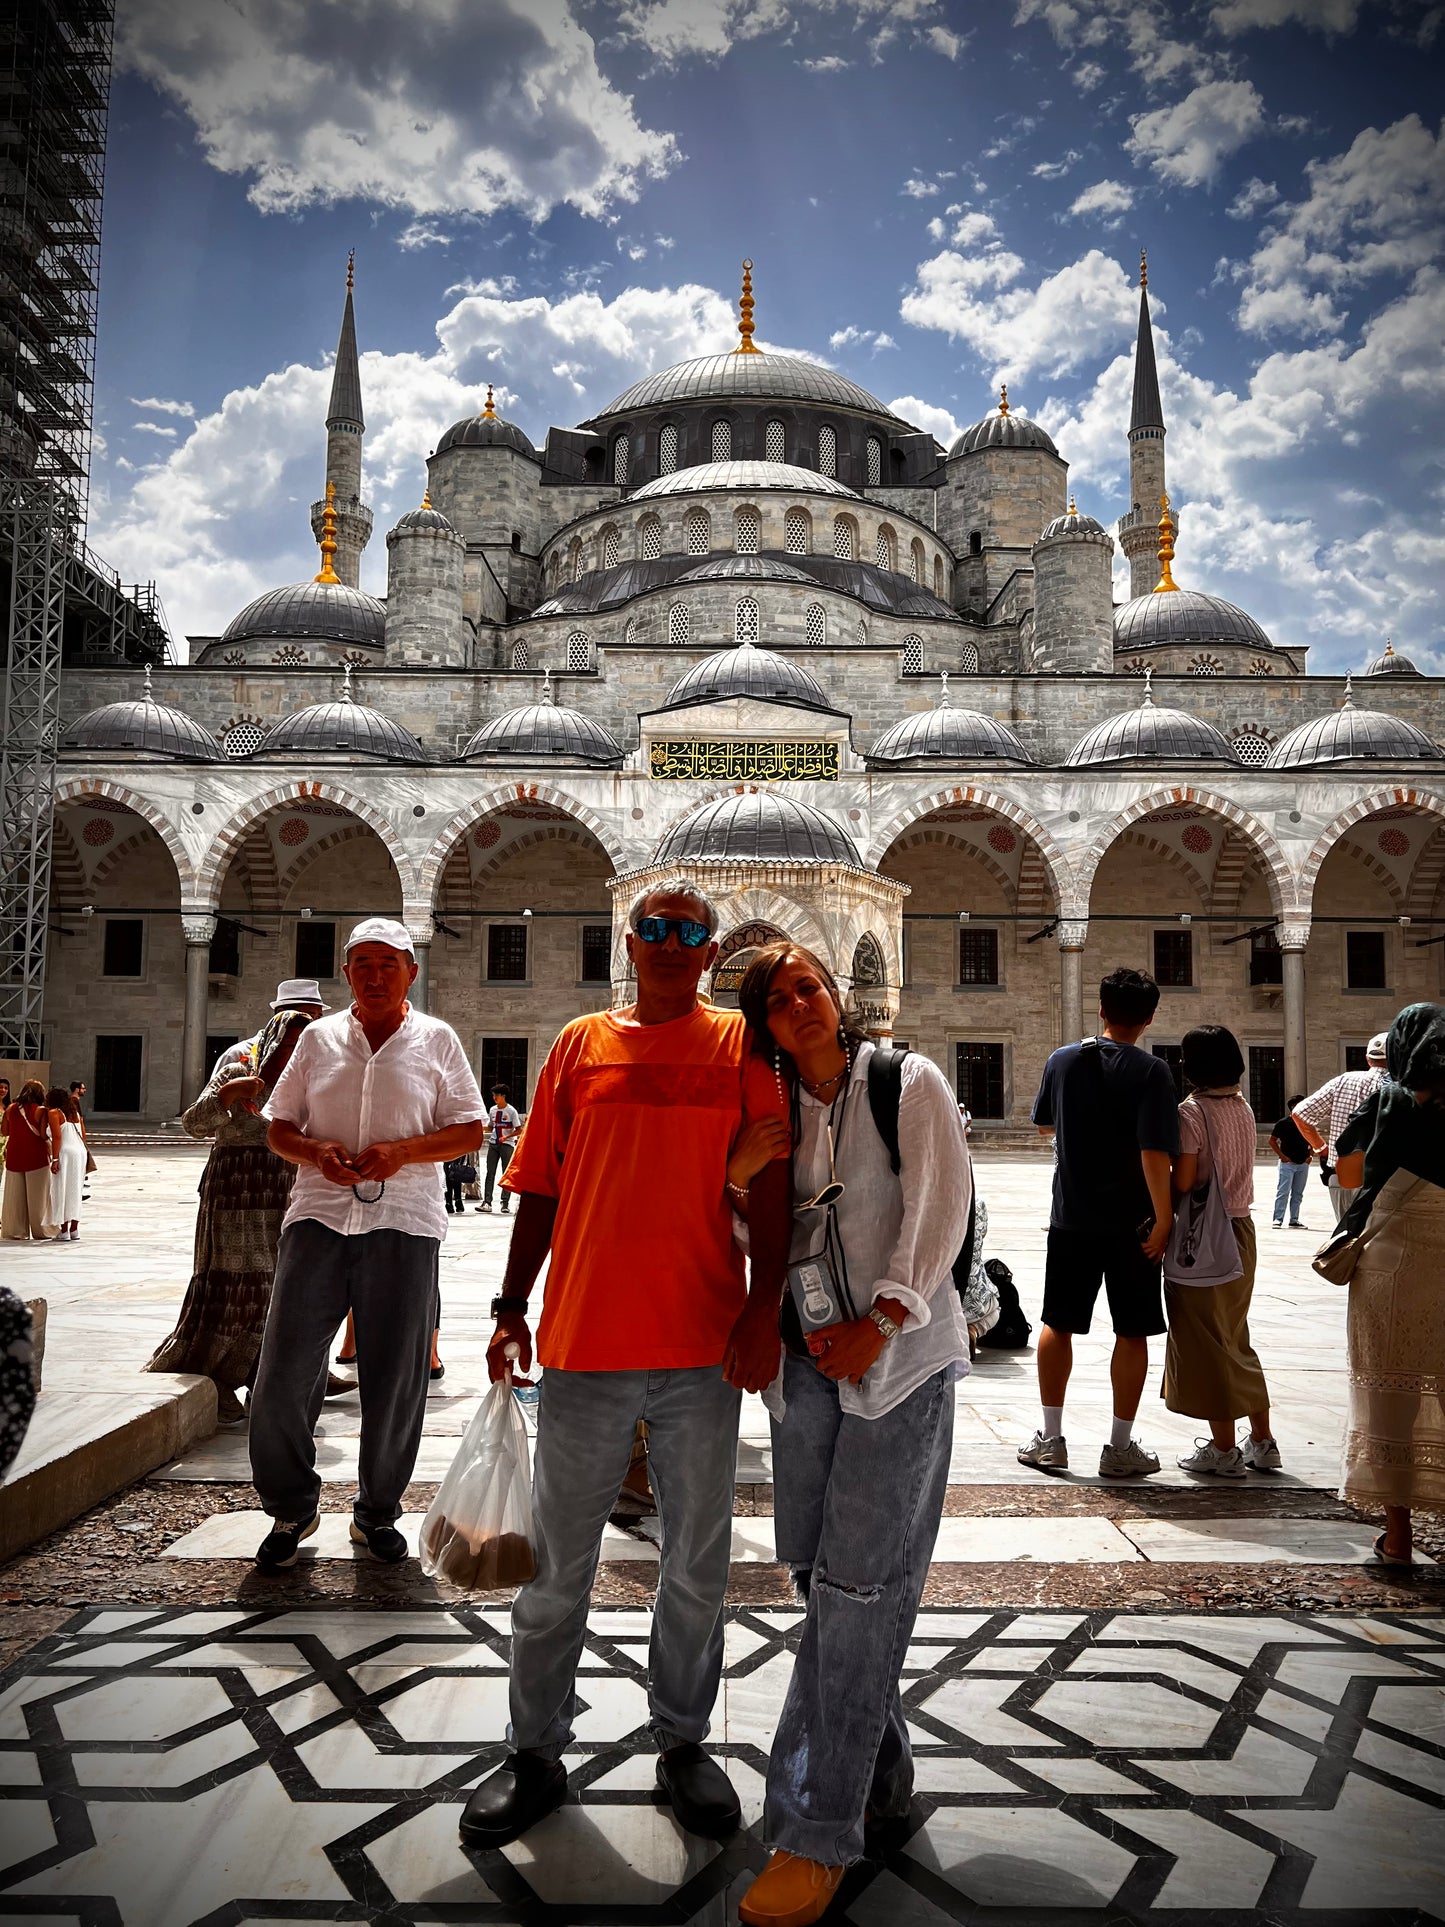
489 413
351 271
1166 580
328 538
426 497
1003 398
745 315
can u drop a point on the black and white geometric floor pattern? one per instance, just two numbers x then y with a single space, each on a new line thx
206 1769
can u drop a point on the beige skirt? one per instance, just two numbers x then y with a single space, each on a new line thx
1210 1367
1395 1438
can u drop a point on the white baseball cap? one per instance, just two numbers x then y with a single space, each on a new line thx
295 991
1375 1049
387 930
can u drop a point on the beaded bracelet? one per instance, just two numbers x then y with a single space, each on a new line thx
739 1191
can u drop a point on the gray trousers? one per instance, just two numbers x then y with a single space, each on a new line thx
1341 1199
585 1427
388 1279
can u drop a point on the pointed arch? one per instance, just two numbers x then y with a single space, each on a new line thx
1061 878
223 847
1427 802
1278 874
80 789
457 825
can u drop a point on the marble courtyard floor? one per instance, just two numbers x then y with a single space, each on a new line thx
1160 1703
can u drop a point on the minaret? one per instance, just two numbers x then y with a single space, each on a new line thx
1138 530
345 427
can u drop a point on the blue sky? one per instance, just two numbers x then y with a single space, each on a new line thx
555 195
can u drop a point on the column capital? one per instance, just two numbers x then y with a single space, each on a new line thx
1072 933
1294 935
198 929
421 930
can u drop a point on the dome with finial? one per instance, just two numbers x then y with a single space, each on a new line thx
322 610
948 735
1072 523
1392 663
1169 614
423 521
1350 735
1003 428
156 729
757 827
342 728
486 430
544 729
748 671
1150 734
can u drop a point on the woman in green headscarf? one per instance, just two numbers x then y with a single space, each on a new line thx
1393 1148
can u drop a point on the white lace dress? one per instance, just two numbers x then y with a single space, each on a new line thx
68 1182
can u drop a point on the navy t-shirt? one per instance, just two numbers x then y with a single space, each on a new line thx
1292 1141
1102 1118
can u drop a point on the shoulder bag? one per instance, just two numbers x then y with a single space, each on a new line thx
1338 1256
1202 1247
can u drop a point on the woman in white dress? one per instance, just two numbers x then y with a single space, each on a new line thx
68 1182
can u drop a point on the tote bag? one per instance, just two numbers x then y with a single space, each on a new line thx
1202 1248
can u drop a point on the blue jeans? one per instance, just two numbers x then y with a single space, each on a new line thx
585 1426
1290 1190
858 1503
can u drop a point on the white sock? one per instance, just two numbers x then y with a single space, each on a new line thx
1053 1421
1121 1431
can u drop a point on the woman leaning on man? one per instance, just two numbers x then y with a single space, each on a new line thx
862 1415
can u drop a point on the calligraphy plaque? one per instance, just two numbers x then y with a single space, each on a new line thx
761 760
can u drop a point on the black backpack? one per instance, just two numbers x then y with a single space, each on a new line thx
885 1094
1011 1333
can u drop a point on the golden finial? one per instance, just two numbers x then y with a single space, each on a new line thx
149 696
350 270
426 497
1073 506
745 315
489 412
1166 549
328 538
1003 398
1143 269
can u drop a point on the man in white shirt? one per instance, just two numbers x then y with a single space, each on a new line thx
373 1100
504 1122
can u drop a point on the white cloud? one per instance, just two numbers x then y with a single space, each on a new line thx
1142 30
1326 16
1185 143
826 64
1087 76
851 337
1051 170
161 407
154 428
1105 198
433 107
1064 322
975 230
944 41
422 234
1252 199
926 415
917 190
676 30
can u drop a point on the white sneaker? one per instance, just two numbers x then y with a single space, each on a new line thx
1045 1455
1129 1461
1207 1457
1261 1455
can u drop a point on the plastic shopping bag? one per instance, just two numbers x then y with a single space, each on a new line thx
478 1532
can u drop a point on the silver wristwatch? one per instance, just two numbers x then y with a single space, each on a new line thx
889 1327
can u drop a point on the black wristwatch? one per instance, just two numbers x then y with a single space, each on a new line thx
503 1304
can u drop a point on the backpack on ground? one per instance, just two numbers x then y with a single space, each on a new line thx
1011 1333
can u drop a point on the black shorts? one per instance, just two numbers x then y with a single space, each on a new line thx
1080 1261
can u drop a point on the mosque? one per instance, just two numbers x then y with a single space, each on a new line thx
748 627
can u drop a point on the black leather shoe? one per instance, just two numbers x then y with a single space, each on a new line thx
522 1791
382 1542
701 1793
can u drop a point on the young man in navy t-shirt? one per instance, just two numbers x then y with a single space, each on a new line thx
1113 1114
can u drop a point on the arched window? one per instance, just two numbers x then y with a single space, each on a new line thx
679 623
697 532
629 634
1205 665
667 449
875 461
745 620
574 559
796 531
915 562
975 541
827 450
746 530
817 625
885 551
521 654
913 655
621 461
845 538
649 538
579 650
860 634
1260 667
722 441
611 548
774 442
968 660
938 582
1249 746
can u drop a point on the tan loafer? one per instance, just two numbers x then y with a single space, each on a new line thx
790 1892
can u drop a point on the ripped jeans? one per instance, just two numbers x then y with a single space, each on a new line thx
858 1503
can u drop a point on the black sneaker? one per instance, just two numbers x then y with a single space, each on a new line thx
283 1541
522 1791
382 1542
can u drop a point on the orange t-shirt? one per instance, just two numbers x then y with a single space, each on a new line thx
630 1130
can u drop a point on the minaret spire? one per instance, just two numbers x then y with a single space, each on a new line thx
345 430
1148 410
1138 530
345 405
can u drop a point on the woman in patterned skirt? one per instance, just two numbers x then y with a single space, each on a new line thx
243 1193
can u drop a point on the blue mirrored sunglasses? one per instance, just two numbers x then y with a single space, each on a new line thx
659 929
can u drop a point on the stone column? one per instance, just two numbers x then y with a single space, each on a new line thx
421 989
1072 936
1293 937
198 933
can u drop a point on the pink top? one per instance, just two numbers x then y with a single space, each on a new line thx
1232 1128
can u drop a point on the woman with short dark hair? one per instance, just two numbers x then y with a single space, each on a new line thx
68 1182
32 1153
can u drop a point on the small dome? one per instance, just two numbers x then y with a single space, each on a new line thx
1150 734
746 476
1392 664
1004 428
749 568
327 611
1184 615
1351 735
145 725
426 520
760 827
747 671
486 430
737 377
545 729
325 728
957 735
1072 524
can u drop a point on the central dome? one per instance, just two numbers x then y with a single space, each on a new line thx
328 611
1184 615
734 377
748 671
760 827
749 476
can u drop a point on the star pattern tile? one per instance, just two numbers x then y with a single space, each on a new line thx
1131 1768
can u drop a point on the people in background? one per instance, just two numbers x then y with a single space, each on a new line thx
68 1182
1323 1115
504 1121
32 1157
1392 1154
1292 1149
1211 1370
1112 1113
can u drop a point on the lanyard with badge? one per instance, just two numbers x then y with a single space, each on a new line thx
819 1282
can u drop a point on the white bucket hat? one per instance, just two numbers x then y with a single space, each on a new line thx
385 930
293 992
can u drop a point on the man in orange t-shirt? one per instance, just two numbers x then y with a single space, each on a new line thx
620 1174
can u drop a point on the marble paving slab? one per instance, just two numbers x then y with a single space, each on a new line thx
236 1535
1296 1542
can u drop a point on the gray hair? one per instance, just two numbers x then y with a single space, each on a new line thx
707 908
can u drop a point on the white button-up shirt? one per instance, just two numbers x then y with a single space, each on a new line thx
338 1089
